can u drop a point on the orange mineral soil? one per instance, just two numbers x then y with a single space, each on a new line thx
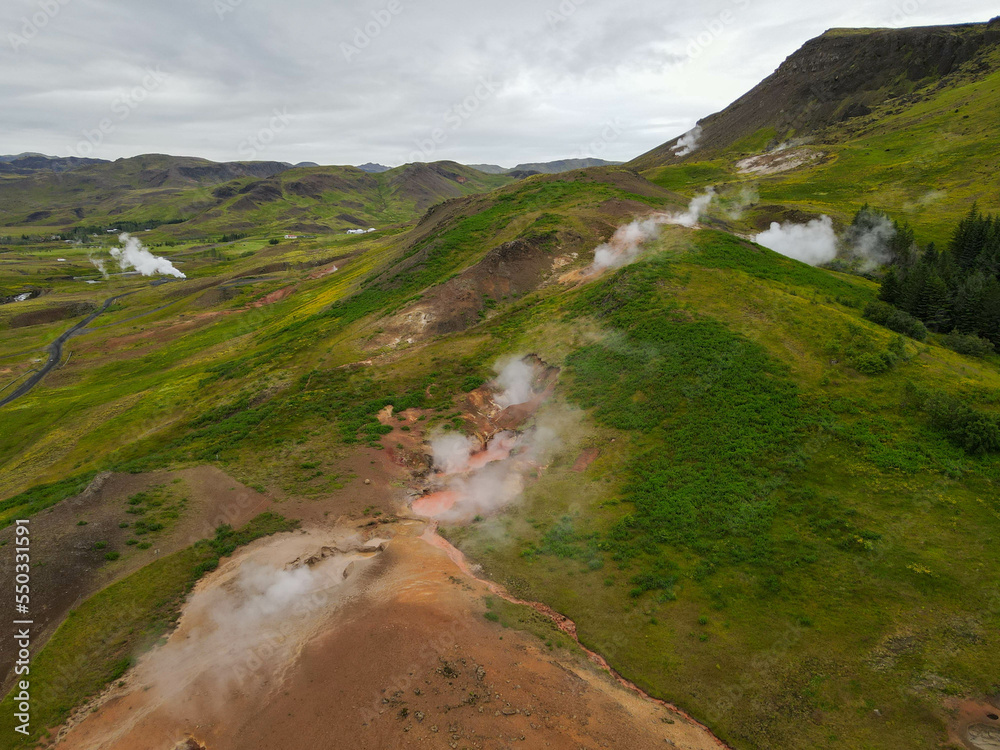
326 639
435 503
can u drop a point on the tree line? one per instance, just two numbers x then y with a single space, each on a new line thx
955 290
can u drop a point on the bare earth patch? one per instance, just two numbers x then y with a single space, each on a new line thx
69 562
391 650
778 161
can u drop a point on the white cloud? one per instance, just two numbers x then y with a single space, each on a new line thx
559 83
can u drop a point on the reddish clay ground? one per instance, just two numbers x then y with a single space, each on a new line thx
975 725
277 296
402 658
66 565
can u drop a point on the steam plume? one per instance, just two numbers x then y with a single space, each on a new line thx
99 265
251 621
814 242
473 479
628 240
135 255
733 206
489 479
869 241
626 243
698 205
451 451
514 376
687 142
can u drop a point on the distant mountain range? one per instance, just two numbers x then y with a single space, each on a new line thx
545 167
31 162
521 170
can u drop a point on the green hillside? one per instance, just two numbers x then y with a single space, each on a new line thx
198 196
924 155
772 530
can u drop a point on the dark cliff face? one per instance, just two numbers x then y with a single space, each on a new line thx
840 74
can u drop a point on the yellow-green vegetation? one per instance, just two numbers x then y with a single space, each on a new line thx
153 511
101 639
146 192
925 157
774 540
781 533
523 617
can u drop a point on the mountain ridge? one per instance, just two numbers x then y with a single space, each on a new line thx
836 76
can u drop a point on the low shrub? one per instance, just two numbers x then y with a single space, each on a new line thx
895 320
973 430
968 344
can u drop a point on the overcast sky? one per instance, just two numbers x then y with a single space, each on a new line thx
394 81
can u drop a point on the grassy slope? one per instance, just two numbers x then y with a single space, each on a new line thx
924 162
106 193
140 378
747 596
753 609
91 649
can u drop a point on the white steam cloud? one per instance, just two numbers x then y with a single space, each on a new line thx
135 255
99 265
688 142
814 242
481 482
734 205
698 205
626 243
514 377
485 491
869 241
451 451
475 479
246 625
628 240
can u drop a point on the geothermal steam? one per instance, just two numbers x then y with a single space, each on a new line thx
687 142
733 206
628 240
451 451
814 242
869 241
99 265
477 480
247 625
514 376
698 205
135 255
626 243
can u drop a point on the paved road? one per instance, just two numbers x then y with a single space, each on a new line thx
55 350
